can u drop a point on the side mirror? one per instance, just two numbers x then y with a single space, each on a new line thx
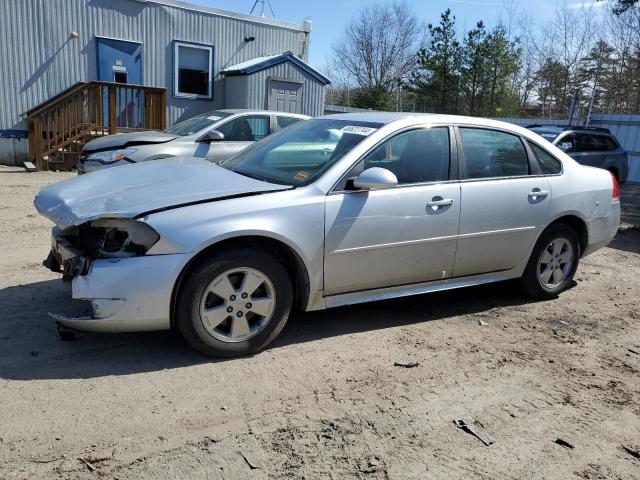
212 136
375 178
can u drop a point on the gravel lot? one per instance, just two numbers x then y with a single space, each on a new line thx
326 401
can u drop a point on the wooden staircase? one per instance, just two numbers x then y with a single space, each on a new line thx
61 126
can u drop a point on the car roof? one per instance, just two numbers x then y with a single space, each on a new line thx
236 111
419 118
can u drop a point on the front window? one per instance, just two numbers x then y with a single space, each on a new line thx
193 70
193 125
416 156
299 155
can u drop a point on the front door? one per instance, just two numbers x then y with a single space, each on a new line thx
503 206
405 234
120 61
286 96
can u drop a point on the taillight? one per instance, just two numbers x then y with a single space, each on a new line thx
615 195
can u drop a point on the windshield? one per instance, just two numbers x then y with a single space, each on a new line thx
301 153
195 124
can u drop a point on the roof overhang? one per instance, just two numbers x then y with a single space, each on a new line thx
260 63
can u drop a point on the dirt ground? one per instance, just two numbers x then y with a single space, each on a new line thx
326 401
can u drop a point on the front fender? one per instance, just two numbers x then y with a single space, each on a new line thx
292 217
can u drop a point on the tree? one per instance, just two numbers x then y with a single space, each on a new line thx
474 68
621 6
377 50
438 77
502 58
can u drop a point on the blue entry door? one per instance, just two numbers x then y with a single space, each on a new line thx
120 61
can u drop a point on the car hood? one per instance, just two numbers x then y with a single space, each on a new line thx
121 140
133 190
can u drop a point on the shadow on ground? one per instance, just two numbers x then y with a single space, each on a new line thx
30 347
627 239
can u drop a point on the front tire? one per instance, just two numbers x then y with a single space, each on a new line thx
553 263
234 303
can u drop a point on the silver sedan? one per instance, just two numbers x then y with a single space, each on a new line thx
333 211
215 135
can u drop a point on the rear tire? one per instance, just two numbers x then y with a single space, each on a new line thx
234 303
553 263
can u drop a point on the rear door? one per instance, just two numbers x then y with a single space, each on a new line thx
504 201
239 132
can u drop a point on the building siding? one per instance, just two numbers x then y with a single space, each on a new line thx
38 59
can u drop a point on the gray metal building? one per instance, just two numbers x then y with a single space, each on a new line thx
205 58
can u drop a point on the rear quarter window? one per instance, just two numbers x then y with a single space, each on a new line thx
549 165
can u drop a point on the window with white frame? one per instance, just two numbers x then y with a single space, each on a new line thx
193 74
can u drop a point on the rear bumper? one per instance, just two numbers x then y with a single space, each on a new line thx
127 294
602 230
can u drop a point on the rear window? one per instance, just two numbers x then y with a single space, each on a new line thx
490 153
548 163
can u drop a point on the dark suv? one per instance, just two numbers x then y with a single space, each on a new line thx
592 146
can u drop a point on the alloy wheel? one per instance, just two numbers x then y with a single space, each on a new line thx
555 263
237 304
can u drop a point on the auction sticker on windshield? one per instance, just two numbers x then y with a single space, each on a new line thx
357 130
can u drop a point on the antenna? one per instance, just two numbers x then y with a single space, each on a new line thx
262 8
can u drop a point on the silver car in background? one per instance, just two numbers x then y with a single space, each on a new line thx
215 135
333 211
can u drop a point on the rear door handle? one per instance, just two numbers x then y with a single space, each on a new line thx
535 193
440 203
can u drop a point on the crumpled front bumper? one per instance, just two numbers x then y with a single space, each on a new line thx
126 294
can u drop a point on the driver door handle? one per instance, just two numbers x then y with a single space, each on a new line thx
440 203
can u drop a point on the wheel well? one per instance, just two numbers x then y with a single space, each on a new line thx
291 261
614 170
578 226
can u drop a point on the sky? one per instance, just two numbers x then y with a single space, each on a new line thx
330 16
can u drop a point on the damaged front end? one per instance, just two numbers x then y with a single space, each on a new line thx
74 248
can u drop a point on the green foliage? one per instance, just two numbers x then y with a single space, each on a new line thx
376 98
475 78
438 76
